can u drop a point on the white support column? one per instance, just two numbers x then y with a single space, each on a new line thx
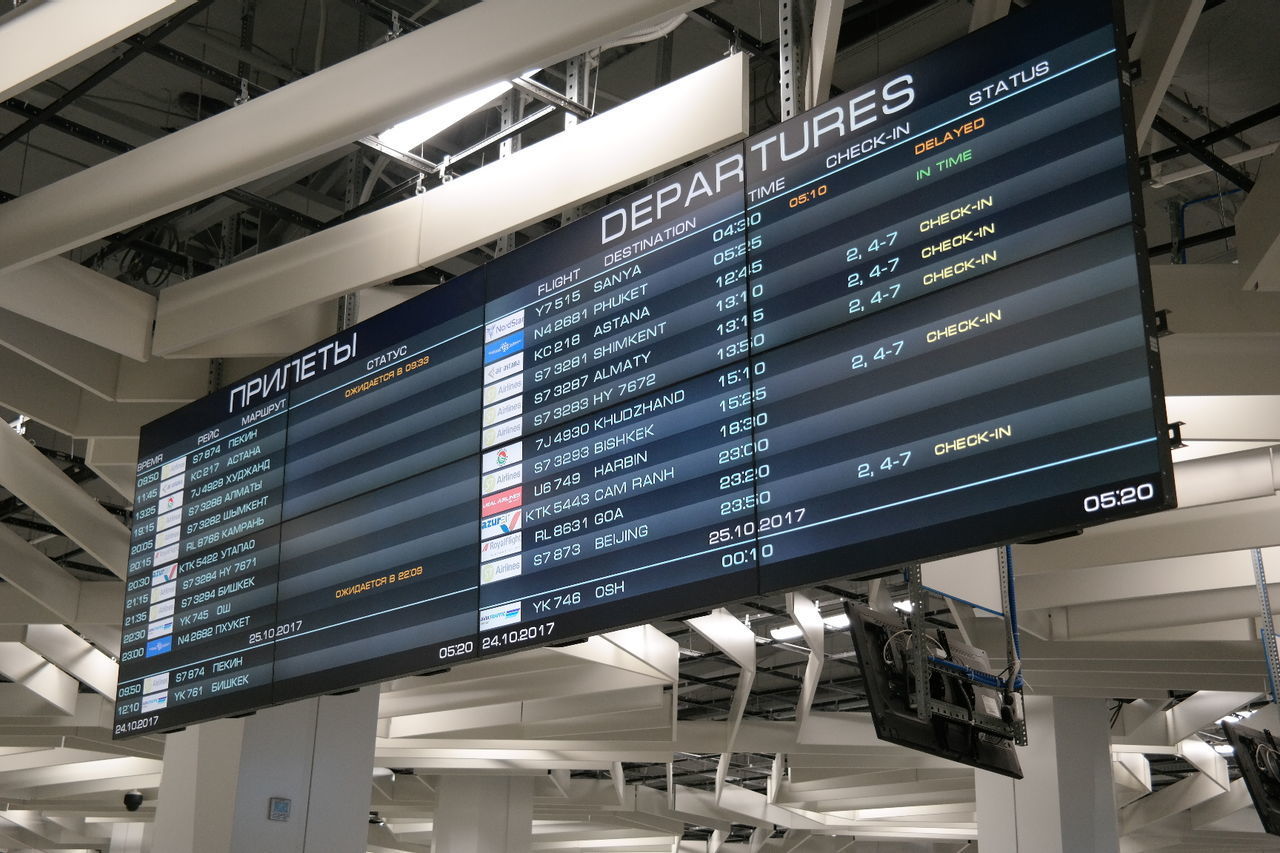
483 814
131 838
1065 801
220 777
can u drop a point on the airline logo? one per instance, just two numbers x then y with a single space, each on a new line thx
502 501
502 546
503 347
170 503
163 628
497 525
169 519
500 569
154 703
160 646
511 408
505 326
501 433
168 537
152 683
503 457
496 617
503 478
173 484
177 466
503 369
160 610
508 387
164 592
166 575
165 555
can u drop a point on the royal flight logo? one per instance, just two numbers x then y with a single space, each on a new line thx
501 546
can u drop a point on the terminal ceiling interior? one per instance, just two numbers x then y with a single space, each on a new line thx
1157 617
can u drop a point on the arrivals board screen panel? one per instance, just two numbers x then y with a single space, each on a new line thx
911 322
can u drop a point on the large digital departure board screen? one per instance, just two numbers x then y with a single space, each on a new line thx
911 322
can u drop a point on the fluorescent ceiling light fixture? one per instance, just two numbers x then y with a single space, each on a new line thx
904 605
790 631
1223 749
411 133
786 632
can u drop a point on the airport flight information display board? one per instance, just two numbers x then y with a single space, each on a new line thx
911 322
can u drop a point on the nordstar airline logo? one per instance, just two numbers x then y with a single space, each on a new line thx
505 326
497 525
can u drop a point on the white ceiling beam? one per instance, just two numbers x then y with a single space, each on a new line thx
328 109
986 12
39 42
41 485
62 646
827 15
1198 530
1207 298
37 576
24 667
698 113
1160 41
48 398
1145 579
81 302
1208 363
1258 232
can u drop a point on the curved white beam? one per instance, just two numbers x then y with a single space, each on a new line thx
494 40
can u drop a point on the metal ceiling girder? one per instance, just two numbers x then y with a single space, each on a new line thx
1161 39
700 112
328 109
136 50
1174 134
51 37
827 15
